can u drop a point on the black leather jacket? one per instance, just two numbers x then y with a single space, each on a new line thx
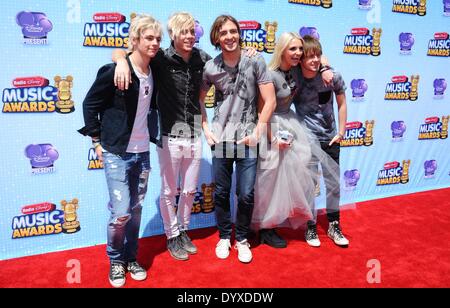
179 88
109 113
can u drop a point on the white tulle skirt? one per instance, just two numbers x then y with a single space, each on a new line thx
286 179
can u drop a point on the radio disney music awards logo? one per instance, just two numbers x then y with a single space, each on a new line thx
351 178
440 85
430 167
394 173
413 7
35 27
359 88
36 95
45 219
446 7
402 89
406 40
311 31
94 162
361 42
358 135
326 4
398 129
365 4
439 46
107 30
261 39
42 157
434 128
203 200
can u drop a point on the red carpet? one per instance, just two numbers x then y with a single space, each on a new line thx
409 235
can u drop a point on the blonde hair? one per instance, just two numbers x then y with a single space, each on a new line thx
282 44
178 22
139 24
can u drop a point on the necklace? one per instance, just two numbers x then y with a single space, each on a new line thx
143 77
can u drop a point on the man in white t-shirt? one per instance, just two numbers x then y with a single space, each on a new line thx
118 123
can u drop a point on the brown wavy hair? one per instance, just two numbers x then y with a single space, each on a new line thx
215 29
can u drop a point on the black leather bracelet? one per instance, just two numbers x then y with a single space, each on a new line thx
324 68
95 143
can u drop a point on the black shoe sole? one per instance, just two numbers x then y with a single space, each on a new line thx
263 241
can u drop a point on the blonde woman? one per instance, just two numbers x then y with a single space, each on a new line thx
285 181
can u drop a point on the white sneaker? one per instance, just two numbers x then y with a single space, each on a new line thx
223 248
335 233
137 272
311 236
117 274
244 253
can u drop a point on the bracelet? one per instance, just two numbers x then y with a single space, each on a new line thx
324 68
95 144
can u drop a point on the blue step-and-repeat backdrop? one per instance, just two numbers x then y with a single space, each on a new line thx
393 54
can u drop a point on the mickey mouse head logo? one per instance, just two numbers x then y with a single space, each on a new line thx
430 167
351 177
311 31
41 155
406 40
198 31
359 87
34 24
440 85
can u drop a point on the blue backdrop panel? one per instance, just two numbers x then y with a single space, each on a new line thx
394 58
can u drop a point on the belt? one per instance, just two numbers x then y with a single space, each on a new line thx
181 136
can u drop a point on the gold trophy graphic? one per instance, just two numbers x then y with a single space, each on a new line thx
71 224
368 139
64 103
376 49
210 99
208 197
414 94
444 132
271 29
326 4
422 9
405 173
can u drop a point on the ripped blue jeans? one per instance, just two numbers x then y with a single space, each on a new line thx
127 177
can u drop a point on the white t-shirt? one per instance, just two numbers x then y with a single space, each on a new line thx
139 140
